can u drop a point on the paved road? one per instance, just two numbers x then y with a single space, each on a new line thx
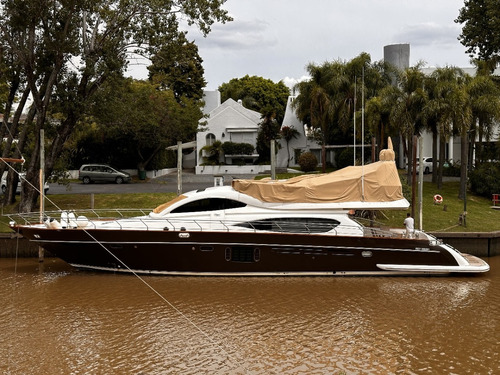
163 184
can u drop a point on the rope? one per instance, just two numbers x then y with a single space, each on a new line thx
164 299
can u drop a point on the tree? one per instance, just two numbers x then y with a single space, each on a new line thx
485 102
147 120
50 38
314 104
268 131
406 113
258 94
214 153
178 66
288 133
481 30
451 107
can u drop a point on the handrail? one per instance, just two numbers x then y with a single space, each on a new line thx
102 218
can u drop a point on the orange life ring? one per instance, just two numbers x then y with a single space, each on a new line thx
438 199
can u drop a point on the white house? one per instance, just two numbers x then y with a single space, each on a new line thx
229 122
288 153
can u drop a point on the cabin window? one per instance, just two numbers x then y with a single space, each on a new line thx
292 225
209 204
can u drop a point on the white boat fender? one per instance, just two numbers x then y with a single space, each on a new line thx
82 221
52 223
64 219
72 220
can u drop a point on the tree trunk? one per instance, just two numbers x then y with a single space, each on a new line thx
442 145
464 157
434 156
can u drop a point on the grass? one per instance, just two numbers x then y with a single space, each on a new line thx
445 217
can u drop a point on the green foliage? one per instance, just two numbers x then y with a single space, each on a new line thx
164 159
481 27
258 94
345 157
234 148
484 180
269 130
307 161
178 66
451 170
288 133
214 153
137 121
77 46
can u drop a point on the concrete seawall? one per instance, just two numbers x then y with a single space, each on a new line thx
483 244
475 243
13 245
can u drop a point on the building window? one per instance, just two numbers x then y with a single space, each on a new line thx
210 139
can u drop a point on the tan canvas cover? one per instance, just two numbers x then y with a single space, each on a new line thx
376 182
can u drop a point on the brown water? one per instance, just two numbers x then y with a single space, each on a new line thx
56 320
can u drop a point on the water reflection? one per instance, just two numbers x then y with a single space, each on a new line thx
57 320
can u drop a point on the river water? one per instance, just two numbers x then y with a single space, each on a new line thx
57 320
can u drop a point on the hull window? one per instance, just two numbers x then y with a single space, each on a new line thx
242 254
292 225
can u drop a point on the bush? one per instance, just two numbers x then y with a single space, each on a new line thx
233 148
308 162
484 179
345 158
451 169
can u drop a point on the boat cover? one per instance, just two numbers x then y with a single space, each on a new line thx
375 182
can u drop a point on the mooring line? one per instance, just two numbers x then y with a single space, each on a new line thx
163 298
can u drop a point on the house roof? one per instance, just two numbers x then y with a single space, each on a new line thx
232 106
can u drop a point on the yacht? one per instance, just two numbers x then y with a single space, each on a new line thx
303 226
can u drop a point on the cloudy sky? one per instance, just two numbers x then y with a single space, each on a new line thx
276 39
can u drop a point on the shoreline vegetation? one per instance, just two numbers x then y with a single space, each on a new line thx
444 217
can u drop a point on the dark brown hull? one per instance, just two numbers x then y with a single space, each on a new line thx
230 253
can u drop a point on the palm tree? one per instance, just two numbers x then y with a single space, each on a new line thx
314 103
450 105
288 133
378 110
409 100
431 122
214 152
485 101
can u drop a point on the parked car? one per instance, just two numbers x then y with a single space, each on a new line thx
427 163
101 173
22 175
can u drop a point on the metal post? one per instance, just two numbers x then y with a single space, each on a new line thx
179 167
42 186
414 176
273 159
421 182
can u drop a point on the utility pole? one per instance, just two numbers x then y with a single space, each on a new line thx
179 167
41 252
273 159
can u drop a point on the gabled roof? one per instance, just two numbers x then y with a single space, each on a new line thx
232 106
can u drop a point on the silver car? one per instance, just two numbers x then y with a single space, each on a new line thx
101 173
